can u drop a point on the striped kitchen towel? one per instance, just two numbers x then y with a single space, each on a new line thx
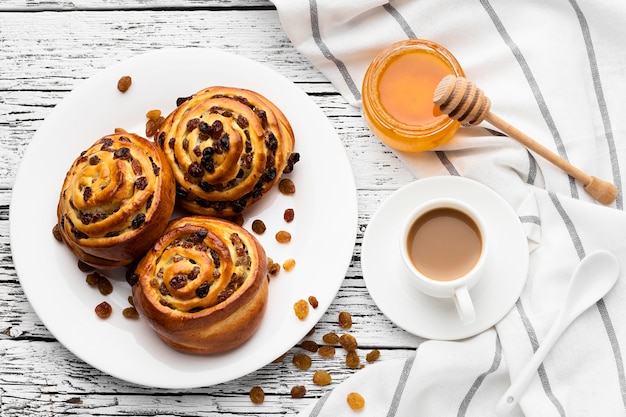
555 69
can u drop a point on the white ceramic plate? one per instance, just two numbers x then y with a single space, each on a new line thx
434 318
128 349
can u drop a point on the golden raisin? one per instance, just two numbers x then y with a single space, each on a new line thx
123 84
104 285
301 308
288 215
152 126
92 279
153 114
257 396
302 361
309 345
313 301
373 355
104 310
326 351
273 268
331 338
286 186
345 320
298 391
355 401
130 313
283 236
321 378
348 342
258 227
352 360
289 264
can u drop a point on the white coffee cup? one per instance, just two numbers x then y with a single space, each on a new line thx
444 245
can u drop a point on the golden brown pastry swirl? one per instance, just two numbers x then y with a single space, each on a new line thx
116 200
203 287
227 147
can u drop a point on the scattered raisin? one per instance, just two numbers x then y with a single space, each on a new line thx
331 338
104 285
302 361
288 215
345 320
153 126
130 313
298 391
309 345
104 310
283 236
273 268
348 342
289 264
355 401
257 396
280 358
326 351
313 301
258 227
153 114
85 267
56 232
373 355
123 84
286 186
301 308
352 360
92 279
321 378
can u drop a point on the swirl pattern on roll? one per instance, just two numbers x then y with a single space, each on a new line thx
203 286
227 147
116 200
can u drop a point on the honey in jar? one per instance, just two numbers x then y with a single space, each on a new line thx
398 90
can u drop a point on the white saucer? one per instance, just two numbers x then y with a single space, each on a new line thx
433 318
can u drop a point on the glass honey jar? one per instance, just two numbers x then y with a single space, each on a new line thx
397 95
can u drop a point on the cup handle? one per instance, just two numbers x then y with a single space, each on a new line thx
464 305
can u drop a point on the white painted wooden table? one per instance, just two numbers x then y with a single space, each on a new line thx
46 49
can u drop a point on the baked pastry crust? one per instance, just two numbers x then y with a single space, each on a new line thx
203 287
116 200
227 147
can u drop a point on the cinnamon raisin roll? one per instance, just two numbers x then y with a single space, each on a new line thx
203 287
116 200
227 147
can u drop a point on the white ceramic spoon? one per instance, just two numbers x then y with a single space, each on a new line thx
593 278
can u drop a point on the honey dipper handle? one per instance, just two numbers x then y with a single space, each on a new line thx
604 192
463 101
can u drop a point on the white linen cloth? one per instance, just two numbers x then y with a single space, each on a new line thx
556 70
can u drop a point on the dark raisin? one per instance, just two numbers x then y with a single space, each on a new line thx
193 123
56 232
161 139
136 166
131 277
223 295
298 391
123 84
106 144
138 221
309 345
195 170
181 100
271 142
242 122
203 290
178 281
94 160
87 193
121 153
224 142
258 226
84 267
217 127
288 215
293 159
141 183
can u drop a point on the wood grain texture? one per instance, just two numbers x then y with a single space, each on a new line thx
49 47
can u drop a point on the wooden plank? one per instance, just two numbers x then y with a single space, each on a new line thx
29 5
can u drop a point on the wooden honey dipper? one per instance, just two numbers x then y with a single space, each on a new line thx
463 101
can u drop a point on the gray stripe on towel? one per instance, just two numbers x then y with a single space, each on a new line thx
317 37
599 91
532 82
497 359
397 396
400 19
